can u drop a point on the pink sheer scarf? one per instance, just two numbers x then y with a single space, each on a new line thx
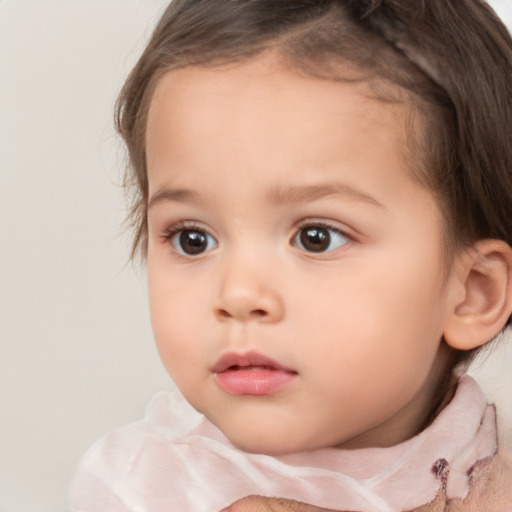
176 460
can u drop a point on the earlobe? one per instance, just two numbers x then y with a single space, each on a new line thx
482 295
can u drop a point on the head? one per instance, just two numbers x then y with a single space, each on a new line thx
422 98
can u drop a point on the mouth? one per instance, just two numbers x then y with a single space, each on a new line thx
251 374
232 361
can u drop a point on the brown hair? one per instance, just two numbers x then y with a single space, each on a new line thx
454 57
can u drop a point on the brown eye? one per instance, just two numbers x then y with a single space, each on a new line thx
192 242
319 239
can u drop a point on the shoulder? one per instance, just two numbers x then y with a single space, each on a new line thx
118 469
95 483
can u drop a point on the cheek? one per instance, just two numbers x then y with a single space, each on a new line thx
373 314
174 320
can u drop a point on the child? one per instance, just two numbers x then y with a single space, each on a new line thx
322 195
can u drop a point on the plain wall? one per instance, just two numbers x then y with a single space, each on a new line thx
76 351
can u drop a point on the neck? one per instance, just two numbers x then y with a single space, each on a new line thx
435 393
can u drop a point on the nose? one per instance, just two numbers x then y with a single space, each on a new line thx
248 293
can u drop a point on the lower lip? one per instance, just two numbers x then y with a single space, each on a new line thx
254 381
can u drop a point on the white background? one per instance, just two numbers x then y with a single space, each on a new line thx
76 352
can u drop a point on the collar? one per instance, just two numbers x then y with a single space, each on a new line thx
401 477
413 473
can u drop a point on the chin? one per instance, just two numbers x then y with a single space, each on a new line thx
268 444
252 433
264 447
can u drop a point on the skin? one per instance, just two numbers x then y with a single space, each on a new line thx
249 155
262 504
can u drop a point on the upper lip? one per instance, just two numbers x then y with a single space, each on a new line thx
252 358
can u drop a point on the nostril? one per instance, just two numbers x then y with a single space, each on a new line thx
226 314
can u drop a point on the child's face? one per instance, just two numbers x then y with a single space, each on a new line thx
296 271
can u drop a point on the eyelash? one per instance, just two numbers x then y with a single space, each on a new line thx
181 226
321 224
170 233
173 230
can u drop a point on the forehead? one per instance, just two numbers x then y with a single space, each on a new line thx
261 117
281 95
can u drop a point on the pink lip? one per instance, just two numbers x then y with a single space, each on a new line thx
251 374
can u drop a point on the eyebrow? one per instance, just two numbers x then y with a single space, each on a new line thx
279 196
178 195
301 194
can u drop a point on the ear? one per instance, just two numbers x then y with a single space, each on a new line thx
480 294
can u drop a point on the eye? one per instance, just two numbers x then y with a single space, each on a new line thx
192 242
318 238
